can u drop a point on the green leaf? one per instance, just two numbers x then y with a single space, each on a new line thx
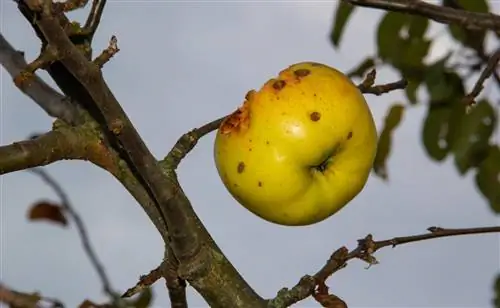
413 52
411 89
418 26
435 130
488 178
496 290
388 36
392 120
469 38
443 84
362 68
472 137
344 11
401 41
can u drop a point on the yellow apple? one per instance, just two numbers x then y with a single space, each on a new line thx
300 148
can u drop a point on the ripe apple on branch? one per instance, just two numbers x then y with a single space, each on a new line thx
300 148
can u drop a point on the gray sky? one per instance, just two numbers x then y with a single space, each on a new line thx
184 64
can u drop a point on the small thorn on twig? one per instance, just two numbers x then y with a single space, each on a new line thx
107 53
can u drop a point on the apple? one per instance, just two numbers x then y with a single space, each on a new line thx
299 149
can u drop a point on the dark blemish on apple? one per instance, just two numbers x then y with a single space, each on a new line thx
241 167
235 185
260 184
249 149
302 72
315 116
315 95
279 84
249 94
349 136
267 142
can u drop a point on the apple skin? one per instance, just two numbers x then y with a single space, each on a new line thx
299 149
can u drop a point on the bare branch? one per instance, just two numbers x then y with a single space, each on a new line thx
82 231
308 285
201 262
187 142
25 300
94 17
176 285
470 99
144 282
59 144
367 86
107 53
51 101
441 14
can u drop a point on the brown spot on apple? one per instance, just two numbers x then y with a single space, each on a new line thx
315 116
241 167
250 94
303 72
349 136
259 184
238 120
279 84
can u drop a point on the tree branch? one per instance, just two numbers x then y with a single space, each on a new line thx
176 285
25 300
51 101
94 17
308 285
188 141
61 143
145 281
201 262
441 14
82 232
367 86
470 99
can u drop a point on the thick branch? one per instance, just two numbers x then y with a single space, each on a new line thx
176 285
366 247
201 261
59 144
51 101
441 14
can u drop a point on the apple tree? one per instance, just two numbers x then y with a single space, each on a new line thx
91 125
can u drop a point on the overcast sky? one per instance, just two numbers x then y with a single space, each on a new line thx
184 64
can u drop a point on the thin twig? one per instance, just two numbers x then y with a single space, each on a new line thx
68 207
470 99
94 17
50 100
144 282
188 141
367 86
309 285
25 300
441 14
107 53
